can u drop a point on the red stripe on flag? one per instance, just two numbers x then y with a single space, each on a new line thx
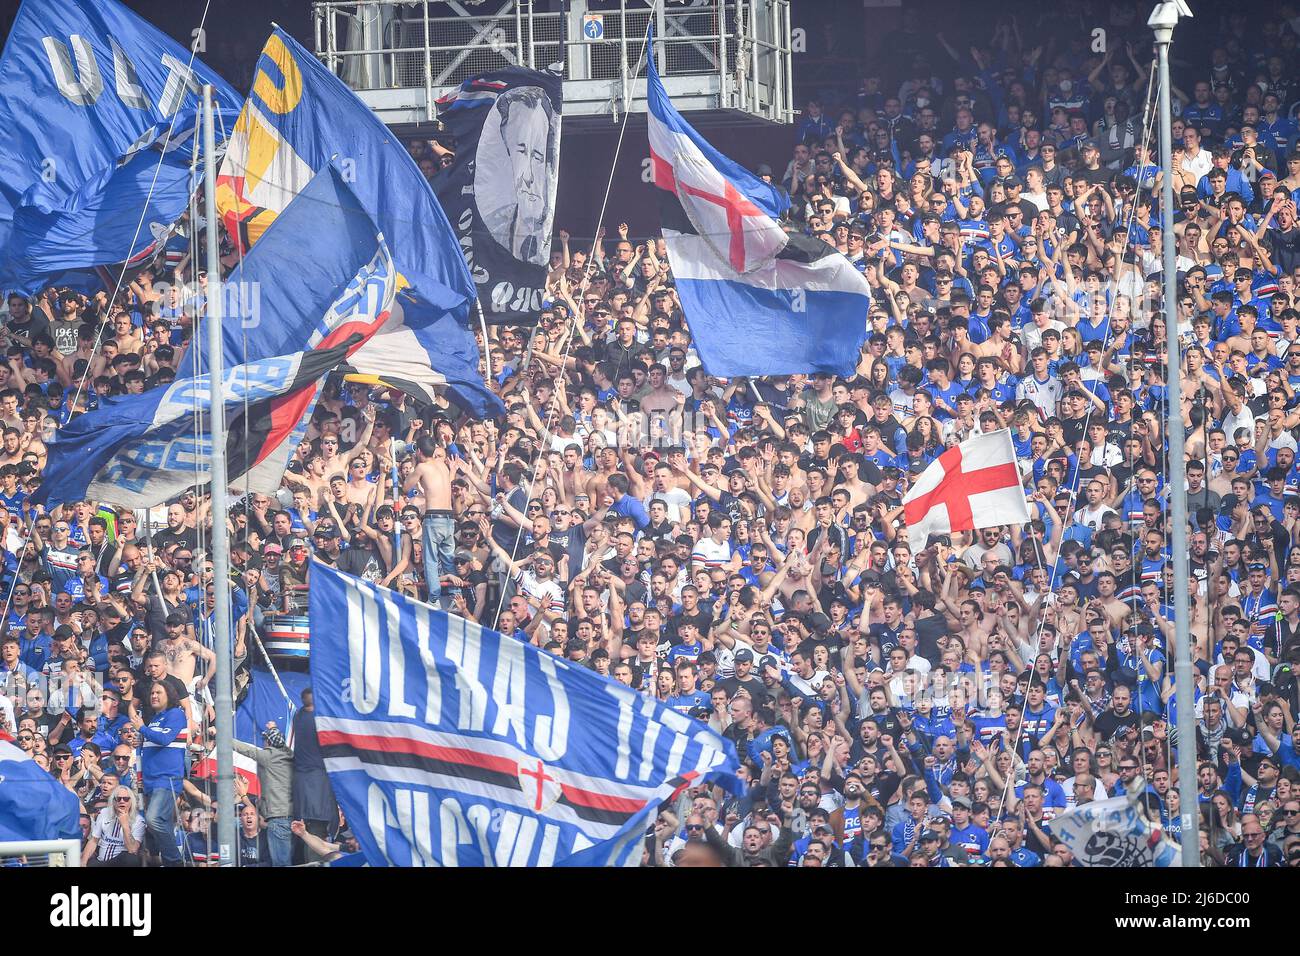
405 745
956 487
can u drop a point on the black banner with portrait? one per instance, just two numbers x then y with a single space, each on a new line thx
499 194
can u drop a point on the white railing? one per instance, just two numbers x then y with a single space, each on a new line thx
735 51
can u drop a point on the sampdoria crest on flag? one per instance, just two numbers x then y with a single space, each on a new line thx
1114 833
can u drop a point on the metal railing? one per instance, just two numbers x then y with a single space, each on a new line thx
741 46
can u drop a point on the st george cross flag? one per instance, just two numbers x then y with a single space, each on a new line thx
758 300
972 485
448 744
141 450
1114 833
33 805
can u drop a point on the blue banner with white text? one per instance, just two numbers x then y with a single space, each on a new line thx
449 744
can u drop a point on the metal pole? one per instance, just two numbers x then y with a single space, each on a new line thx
224 702
1183 671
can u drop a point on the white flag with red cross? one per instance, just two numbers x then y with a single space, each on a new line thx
975 484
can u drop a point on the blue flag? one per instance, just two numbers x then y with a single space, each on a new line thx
299 117
88 93
449 744
33 805
141 450
317 265
757 300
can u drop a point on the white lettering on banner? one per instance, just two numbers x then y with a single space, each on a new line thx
551 734
454 830
377 816
626 698
179 80
509 690
413 821
365 664
648 739
129 90
433 677
480 822
504 837
83 85
397 705
463 645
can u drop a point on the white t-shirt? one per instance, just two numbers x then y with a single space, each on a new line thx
108 831
676 499
710 554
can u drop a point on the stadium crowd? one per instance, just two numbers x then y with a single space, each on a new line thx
736 549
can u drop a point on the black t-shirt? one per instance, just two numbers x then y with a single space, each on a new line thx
186 537
255 850
179 693
1107 723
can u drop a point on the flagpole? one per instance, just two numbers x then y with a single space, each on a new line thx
224 702
1163 20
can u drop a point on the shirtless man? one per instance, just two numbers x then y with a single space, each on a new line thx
606 465
573 477
662 397
183 654
859 490
433 477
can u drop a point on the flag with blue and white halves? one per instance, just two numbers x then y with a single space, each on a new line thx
98 109
448 744
1114 833
758 300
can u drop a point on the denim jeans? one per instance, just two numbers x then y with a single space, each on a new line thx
281 839
439 552
160 815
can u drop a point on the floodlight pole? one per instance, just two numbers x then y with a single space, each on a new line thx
1163 20
224 699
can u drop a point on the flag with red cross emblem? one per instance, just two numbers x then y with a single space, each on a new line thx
975 484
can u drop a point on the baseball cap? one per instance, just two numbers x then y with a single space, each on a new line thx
297 543
930 835
961 802
272 548
743 654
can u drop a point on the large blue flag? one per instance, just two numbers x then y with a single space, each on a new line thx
141 450
449 744
88 94
33 805
299 118
317 265
757 300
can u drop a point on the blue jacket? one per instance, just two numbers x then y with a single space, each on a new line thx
162 759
